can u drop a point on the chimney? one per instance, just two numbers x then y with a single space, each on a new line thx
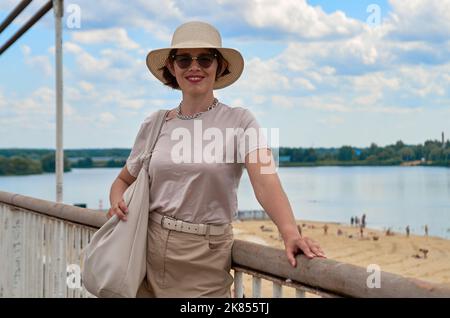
443 141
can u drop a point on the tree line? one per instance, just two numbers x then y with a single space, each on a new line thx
432 152
37 161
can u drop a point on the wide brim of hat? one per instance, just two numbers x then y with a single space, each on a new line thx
156 60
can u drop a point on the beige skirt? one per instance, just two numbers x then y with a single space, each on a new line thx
187 265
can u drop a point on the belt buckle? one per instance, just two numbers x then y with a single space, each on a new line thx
166 217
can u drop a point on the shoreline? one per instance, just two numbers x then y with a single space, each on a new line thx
282 165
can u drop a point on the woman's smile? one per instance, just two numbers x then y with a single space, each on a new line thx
194 79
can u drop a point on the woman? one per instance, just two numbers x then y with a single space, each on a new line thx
193 198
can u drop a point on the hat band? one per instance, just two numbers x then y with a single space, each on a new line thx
195 44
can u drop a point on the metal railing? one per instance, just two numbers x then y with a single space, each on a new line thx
41 243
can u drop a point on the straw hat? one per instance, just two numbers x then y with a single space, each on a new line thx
198 35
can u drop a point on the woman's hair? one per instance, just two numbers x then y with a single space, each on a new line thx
171 81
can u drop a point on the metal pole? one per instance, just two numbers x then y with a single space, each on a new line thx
59 160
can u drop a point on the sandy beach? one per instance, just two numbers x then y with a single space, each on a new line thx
395 253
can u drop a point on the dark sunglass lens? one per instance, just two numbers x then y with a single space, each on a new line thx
183 61
205 60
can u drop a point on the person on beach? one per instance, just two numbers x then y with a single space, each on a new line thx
352 220
407 231
193 201
363 220
426 230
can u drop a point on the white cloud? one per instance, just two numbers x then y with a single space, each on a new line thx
331 120
39 62
132 103
116 36
238 102
295 17
69 111
425 81
325 103
2 100
304 83
41 101
150 16
87 63
282 101
376 80
86 86
258 99
158 30
107 118
263 75
111 66
352 55
425 20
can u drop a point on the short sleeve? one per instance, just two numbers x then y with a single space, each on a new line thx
134 162
251 136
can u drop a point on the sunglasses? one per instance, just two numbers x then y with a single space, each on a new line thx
185 60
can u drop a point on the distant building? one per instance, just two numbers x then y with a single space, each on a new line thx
96 159
284 158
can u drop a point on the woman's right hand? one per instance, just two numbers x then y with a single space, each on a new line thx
120 209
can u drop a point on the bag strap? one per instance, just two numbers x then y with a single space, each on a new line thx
153 137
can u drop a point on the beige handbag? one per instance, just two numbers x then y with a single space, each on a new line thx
114 262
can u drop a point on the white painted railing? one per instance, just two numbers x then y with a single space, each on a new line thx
41 244
40 255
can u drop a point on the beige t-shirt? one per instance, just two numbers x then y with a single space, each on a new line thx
197 164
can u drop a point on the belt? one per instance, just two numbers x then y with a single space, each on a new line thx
170 223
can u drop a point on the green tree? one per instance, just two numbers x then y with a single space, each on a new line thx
407 154
436 154
446 155
386 154
419 152
48 163
85 163
374 149
310 155
297 155
18 165
399 145
363 155
346 153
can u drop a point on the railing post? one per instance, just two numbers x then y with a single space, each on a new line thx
28 265
40 257
85 242
299 293
256 287
277 290
61 261
238 284
77 238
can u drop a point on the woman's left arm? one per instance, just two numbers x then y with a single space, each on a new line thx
261 169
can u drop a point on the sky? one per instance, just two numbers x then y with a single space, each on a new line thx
325 73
